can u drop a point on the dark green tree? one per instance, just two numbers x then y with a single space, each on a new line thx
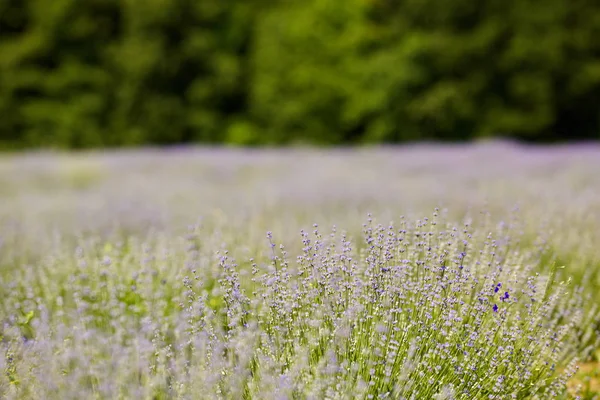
383 70
92 73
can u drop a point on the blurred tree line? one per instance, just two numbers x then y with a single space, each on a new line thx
94 73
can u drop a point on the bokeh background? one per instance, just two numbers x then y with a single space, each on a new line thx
106 73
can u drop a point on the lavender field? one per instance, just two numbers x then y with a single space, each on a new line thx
417 272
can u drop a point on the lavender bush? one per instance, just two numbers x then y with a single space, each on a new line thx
105 296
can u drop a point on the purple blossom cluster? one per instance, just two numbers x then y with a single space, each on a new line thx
410 310
108 293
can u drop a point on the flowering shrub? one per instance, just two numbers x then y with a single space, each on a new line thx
423 310
428 308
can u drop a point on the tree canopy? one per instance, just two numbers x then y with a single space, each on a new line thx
95 73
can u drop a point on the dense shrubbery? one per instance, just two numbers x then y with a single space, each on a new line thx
109 73
152 274
415 311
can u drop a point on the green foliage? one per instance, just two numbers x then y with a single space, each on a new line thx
391 71
121 73
113 73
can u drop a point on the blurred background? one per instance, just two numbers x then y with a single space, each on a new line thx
108 73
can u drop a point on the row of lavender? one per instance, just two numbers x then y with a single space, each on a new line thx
154 274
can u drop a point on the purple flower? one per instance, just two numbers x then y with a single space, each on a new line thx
498 286
495 308
506 296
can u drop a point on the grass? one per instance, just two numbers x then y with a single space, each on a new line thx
234 274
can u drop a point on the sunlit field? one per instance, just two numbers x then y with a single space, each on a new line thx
416 272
